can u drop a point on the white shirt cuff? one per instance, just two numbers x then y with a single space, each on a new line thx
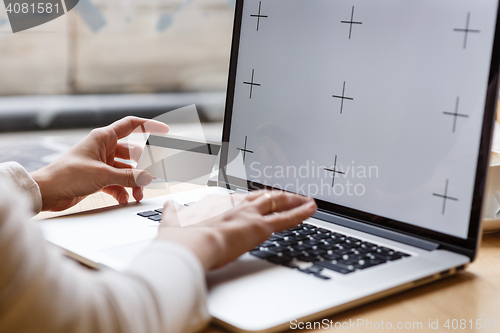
23 180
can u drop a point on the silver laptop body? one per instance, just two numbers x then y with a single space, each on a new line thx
319 92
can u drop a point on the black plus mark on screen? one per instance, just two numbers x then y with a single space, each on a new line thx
351 22
334 171
258 16
445 197
467 31
456 114
252 83
245 150
343 97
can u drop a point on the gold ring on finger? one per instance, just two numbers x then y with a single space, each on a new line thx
273 203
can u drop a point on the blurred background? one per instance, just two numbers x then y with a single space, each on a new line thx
107 59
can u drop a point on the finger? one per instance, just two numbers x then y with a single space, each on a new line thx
127 125
125 177
291 218
128 151
282 201
169 215
255 194
138 193
118 192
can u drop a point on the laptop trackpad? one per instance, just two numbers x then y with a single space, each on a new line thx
127 253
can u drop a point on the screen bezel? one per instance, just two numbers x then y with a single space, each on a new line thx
467 246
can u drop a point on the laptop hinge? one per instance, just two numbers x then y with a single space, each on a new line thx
232 187
373 230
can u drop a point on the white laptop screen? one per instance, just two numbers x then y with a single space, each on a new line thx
372 105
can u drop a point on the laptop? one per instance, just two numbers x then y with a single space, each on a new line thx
382 111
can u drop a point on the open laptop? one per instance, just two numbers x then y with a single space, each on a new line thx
383 111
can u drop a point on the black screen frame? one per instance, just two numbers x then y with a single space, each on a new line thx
467 246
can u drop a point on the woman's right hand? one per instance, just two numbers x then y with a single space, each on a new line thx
228 227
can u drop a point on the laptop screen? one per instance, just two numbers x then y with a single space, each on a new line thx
375 106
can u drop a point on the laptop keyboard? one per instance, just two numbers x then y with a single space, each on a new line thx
323 249
311 249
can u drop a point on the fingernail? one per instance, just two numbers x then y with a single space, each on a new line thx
144 179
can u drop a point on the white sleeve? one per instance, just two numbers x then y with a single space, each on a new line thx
16 173
42 291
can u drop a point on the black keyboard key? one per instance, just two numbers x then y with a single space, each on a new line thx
286 242
294 254
275 238
313 269
353 240
189 204
341 251
353 256
159 210
307 232
278 250
280 260
377 257
312 241
384 251
299 237
348 245
346 264
391 257
325 246
333 240
284 233
361 250
262 254
307 258
316 252
368 245
299 227
301 247
362 264
156 218
320 236
308 226
147 213
334 267
331 256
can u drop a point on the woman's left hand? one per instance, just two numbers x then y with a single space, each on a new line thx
90 166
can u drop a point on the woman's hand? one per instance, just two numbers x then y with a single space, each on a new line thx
90 166
221 237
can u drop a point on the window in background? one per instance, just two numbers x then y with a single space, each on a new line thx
116 47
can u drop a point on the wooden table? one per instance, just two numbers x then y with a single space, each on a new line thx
470 295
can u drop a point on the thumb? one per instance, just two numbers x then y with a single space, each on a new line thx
128 177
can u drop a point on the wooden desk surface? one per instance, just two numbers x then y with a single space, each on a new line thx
471 295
